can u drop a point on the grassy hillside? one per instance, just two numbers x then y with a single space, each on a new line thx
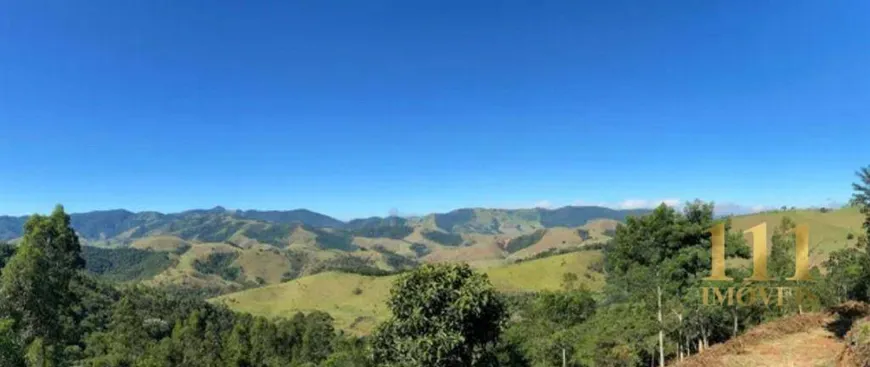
358 302
829 231
162 243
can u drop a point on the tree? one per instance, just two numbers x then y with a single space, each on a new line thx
10 351
861 196
35 287
547 328
442 315
349 352
658 261
849 269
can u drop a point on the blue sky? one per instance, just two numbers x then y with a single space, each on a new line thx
354 108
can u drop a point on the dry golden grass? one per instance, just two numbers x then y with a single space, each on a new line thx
400 247
553 238
485 251
160 243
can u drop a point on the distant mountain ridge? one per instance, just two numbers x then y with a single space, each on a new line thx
220 224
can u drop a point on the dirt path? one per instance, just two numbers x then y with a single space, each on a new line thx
798 341
813 348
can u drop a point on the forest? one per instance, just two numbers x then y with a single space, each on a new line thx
54 312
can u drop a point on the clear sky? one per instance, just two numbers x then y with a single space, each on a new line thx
354 108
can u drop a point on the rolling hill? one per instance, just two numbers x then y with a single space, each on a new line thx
358 302
272 252
829 230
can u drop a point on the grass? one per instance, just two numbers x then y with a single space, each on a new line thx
546 273
828 231
358 302
161 243
561 238
265 263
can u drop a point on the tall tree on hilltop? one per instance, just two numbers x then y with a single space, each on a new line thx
35 285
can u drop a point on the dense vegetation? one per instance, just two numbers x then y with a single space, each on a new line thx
446 239
126 264
6 251
52 313
221 264
526 240
335 240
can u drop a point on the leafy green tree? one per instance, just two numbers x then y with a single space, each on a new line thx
658 261
622 334
848 275
547 331
349 352
6 252
35 288
237 349
861 195
442 315
10 351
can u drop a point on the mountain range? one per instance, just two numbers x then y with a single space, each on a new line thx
119 228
